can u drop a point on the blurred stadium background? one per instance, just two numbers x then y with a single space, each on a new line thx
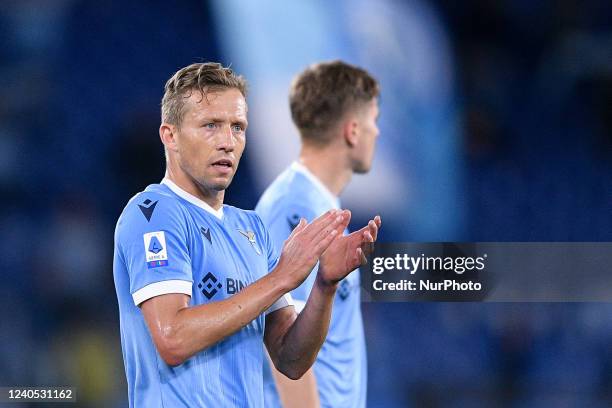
496 126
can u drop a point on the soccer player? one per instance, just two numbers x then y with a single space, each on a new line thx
200 285
334 106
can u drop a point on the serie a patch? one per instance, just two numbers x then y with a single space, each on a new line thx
155 249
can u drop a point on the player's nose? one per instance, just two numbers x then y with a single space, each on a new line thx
226 139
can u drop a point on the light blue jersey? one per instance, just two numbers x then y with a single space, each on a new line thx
340 368
168 241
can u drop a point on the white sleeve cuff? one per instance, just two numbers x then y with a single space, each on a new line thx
298 305
284 301
161 288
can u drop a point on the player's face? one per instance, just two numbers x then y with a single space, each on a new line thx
367 134
212 137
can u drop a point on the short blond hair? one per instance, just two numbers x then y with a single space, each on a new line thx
203 77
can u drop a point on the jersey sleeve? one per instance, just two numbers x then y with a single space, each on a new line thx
280 227
153 239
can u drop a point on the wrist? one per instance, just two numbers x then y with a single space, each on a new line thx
325 285
281 278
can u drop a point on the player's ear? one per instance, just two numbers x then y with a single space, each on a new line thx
167 134
350 130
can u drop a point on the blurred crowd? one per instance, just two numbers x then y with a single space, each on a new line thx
78 137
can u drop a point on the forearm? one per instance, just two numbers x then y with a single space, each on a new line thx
193 329
299 346
300 393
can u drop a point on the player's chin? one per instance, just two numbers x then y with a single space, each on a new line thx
362 168
222 182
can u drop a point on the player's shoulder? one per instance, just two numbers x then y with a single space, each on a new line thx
292 205
156 204
287 185
289 194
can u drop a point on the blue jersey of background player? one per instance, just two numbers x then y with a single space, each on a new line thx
334 106
199 284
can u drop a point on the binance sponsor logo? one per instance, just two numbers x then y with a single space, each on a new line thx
210 285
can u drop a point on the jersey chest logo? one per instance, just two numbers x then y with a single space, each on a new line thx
206 233
250 236
344 290
209 285
293 221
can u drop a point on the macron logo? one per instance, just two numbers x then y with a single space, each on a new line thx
206 233
293 221
147 208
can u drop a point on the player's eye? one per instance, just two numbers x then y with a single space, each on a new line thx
211 125
237 128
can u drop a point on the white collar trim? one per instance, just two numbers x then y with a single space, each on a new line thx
331 198
192 199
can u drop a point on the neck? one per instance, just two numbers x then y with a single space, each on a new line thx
324 162
180 178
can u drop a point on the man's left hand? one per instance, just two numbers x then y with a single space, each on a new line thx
346 253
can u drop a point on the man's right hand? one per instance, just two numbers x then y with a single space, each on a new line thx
307 242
